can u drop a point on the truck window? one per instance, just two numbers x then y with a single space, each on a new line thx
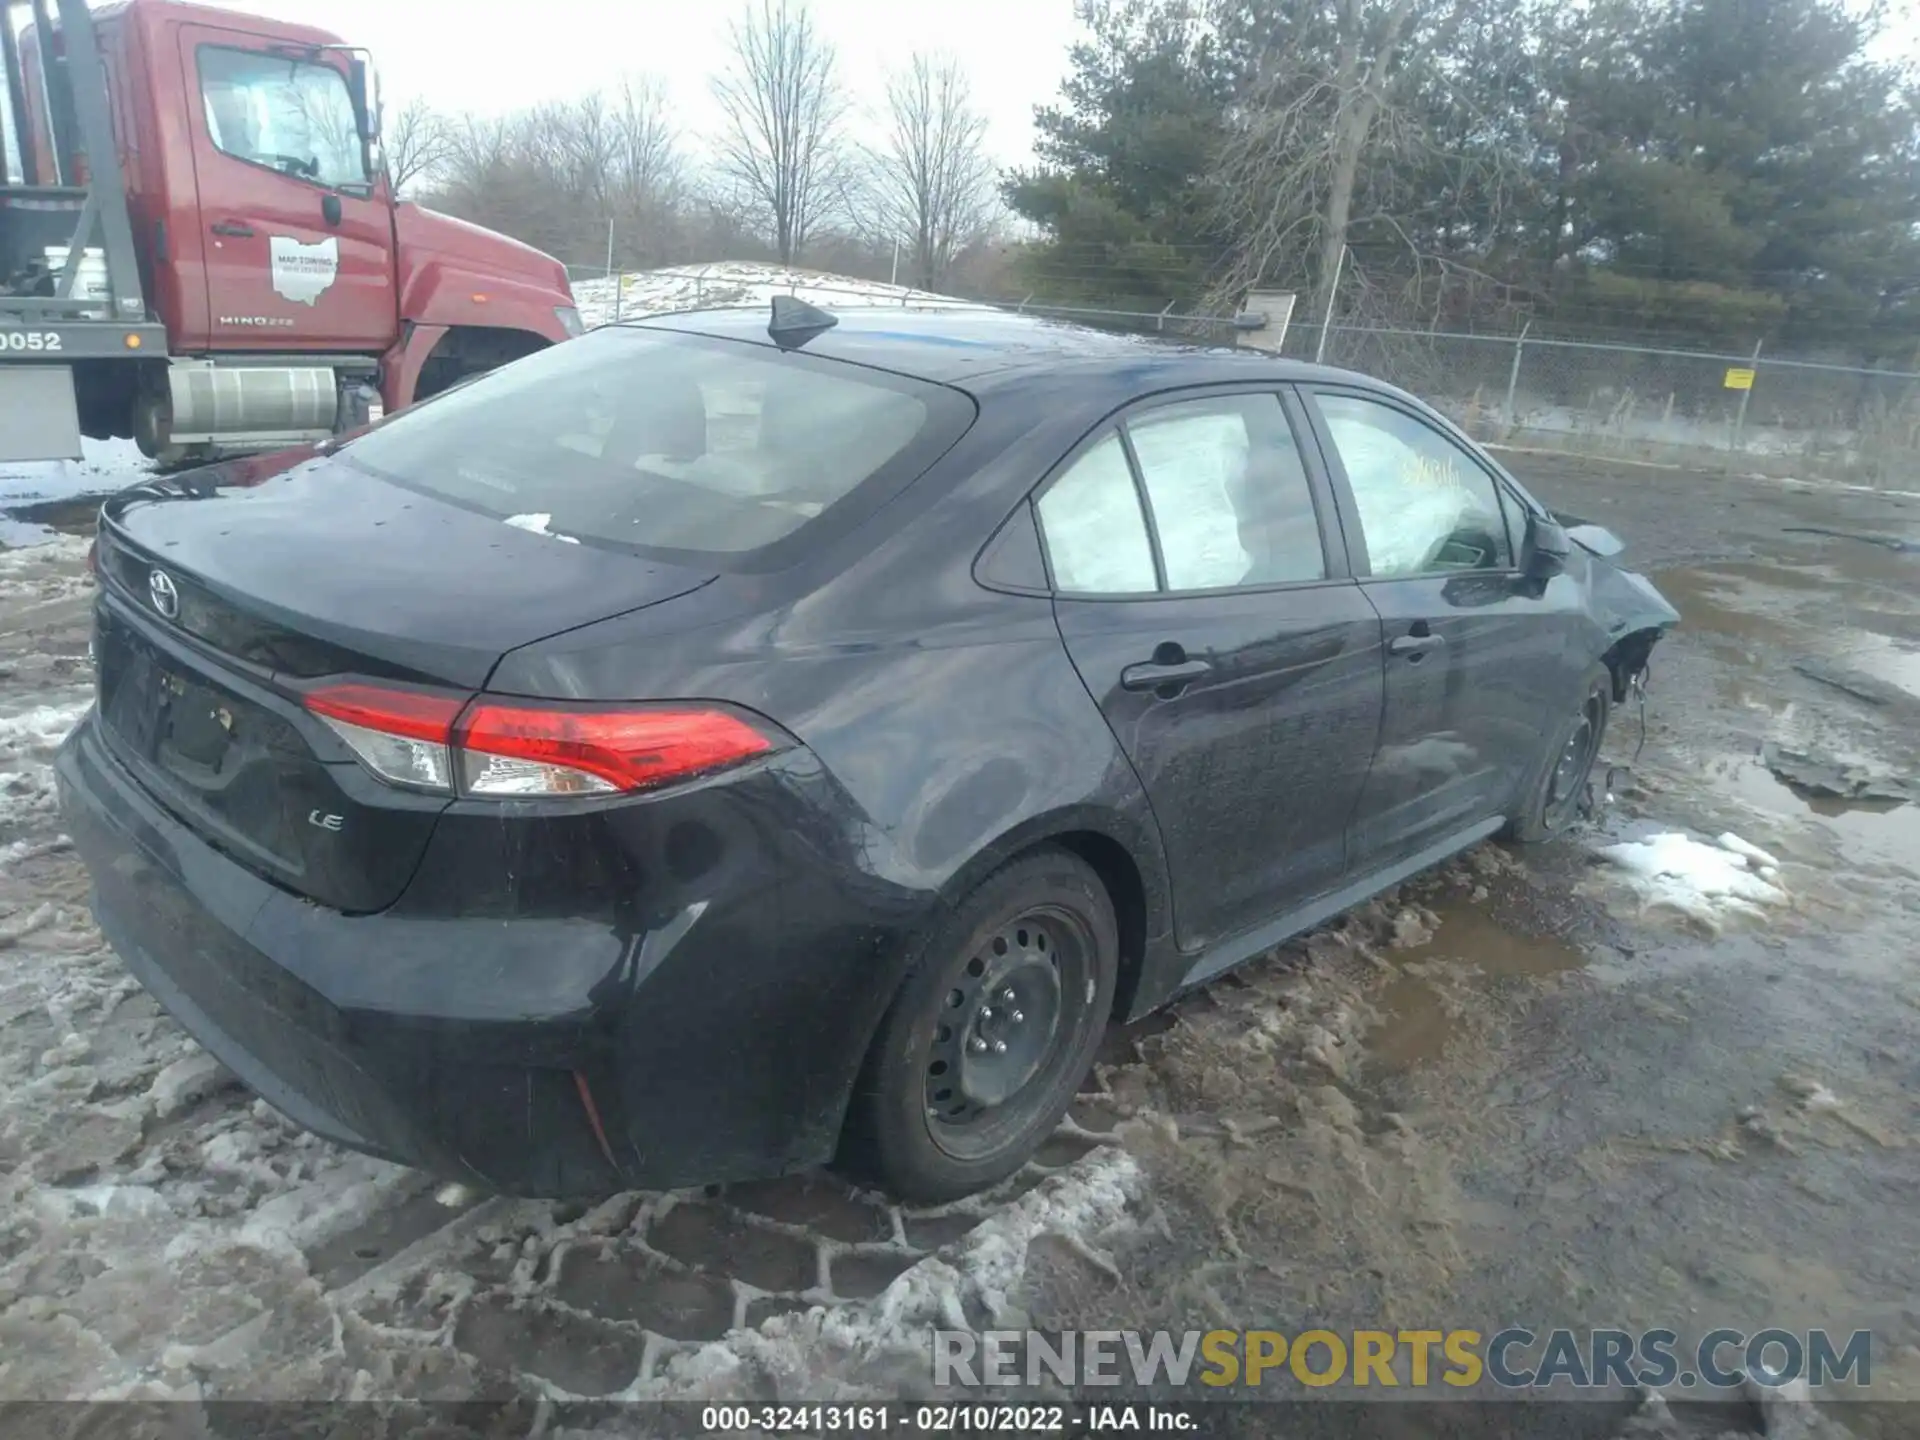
290 115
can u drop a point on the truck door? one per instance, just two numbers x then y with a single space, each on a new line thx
297 236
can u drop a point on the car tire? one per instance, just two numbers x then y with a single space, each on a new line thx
990 1033
1555 798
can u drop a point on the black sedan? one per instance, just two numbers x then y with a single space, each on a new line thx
712 747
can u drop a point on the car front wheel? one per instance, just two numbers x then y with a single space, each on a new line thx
1558 794
990 1034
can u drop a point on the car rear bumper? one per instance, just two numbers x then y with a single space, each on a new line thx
534 1048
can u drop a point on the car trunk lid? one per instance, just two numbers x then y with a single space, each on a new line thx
228 593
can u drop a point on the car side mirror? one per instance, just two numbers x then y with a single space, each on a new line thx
1548 547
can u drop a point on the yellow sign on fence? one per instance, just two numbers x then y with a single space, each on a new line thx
1739 378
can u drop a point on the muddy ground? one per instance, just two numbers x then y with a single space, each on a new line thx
1532 1088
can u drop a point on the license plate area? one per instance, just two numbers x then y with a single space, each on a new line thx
197 732
205 752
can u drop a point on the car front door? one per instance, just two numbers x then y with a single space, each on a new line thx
1472 654
297 237
1230 650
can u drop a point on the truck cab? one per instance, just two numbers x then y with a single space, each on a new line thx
298 296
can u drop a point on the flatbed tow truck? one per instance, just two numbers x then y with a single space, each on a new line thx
200 249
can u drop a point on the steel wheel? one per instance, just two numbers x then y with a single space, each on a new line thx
1558 783
998 1038
1567 783
990 1032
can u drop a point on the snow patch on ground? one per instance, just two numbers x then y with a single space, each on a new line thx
40 728
881 1347
27 742
105 465
1705 881
734 283
52 568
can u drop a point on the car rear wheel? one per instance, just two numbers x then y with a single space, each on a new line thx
1558 795
990 1034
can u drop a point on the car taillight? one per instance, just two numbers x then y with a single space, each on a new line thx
491 746
404 736
509 749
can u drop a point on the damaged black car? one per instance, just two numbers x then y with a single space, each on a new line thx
708 749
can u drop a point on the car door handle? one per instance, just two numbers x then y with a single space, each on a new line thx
1152 675
238 229
1414 646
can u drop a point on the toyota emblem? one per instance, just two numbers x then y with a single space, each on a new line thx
164 594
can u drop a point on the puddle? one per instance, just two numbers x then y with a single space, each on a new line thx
1886 827
1710 600
1854 562
1780 577
1420 1015
1882 657
1747 691
35 524
1895 624
1760 602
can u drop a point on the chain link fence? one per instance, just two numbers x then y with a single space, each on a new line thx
1646 403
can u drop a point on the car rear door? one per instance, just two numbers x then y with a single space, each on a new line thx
1222 636
1471 656
297 236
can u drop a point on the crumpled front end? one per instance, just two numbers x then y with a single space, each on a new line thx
1632 612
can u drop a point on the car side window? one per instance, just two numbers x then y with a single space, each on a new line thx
1095 535
1230 498
1426 506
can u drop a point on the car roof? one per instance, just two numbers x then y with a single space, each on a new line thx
981 348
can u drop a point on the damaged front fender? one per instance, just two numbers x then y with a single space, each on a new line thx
1625 602
1631 612
1635 616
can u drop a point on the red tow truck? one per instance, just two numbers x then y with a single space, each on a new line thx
200 249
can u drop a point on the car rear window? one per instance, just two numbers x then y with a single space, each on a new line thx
669 443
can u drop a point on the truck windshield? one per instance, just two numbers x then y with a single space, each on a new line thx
670 443
292 115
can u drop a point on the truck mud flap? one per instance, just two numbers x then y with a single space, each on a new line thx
38 417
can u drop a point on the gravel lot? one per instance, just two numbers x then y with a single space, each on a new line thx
1538 1086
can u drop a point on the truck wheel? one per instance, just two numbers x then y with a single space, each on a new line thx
152 422
990 1034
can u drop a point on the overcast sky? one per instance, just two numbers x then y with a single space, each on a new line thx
472 57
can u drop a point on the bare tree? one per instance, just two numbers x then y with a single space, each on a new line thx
1330 110
572 175
783 105
932 183
648 167
416 142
